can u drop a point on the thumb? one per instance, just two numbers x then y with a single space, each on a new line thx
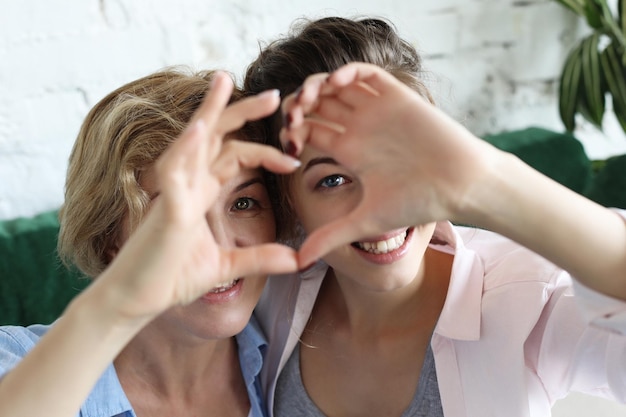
330 236
269 258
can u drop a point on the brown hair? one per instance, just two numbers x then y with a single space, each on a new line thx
323 46
123 135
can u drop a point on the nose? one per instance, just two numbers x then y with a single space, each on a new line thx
227 234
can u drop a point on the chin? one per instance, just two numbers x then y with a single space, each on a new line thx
212 322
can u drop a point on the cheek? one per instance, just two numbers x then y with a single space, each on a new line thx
255 230
315 210
255 286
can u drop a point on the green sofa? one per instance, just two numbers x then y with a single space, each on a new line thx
35 287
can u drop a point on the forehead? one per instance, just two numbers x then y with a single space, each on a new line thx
311 157
309 152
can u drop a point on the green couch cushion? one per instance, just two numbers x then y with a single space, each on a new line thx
559 156
608 186
35 286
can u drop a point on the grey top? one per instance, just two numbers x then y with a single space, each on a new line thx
293 400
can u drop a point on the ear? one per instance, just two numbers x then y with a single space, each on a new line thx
111 253
114 245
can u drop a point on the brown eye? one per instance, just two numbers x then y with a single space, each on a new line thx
245 203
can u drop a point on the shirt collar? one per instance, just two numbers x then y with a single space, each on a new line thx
461 314
107 399
252 345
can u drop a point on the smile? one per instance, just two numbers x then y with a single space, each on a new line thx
223 287
383 246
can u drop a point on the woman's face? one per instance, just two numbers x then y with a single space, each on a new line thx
241 216
322 191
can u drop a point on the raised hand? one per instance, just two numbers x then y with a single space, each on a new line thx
172 257
415 163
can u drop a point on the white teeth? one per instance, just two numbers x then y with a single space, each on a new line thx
383 246
225 286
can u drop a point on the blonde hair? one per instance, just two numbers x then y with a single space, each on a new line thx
122 136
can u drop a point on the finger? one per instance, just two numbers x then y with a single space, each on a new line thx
372 75
332 235
311 89
210 112
355 95
334 109
181 156
215 101
293 140
269 258
250 108
292 112
305 97
321 134
321 124
237 155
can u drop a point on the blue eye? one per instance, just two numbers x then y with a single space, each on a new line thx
332 181
244 203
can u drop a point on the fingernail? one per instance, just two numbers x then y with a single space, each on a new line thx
197 126
287 119
291 149
218 75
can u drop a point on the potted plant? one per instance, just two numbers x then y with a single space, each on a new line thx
595 68
594 72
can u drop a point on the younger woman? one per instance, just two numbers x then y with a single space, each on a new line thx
408 315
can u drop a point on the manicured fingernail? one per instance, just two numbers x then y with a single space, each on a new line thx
291 149
287 119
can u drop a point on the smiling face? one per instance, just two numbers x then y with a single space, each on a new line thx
322 191
241 216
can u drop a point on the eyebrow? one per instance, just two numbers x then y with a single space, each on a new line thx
317 161
250 182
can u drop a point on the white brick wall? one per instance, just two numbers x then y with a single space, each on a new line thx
494 64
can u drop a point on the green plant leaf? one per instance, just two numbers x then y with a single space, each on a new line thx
620 114
591 102
621 17
569 88
611 27
614 73
585 110
593 13
577 6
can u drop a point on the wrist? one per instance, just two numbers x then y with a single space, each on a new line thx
492 190
101 306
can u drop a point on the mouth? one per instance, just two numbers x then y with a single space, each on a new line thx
383 246
224 286
390 244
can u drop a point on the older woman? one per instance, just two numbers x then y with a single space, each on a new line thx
175 228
